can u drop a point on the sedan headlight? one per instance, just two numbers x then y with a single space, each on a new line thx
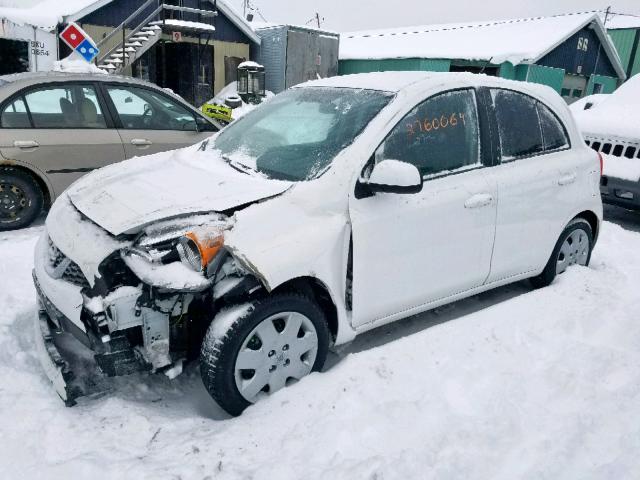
197 248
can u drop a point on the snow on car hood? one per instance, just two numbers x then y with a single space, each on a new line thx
129 195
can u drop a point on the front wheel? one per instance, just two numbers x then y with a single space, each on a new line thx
260 348
573 248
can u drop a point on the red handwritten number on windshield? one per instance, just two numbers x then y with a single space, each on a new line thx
437 123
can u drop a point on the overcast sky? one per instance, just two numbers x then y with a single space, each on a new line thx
346 15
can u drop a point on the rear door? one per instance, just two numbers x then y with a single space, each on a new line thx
61 129
150 122
537 180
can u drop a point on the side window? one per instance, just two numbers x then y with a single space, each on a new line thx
554 134
142 109
15 115
72 106
440 135
518 125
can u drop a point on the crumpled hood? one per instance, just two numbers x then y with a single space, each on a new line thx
127 196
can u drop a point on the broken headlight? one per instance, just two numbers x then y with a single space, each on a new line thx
197 248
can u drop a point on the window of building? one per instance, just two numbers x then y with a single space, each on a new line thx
72 106
439 136
15 115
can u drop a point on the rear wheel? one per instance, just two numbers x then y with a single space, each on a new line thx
573 248
21 199
269 345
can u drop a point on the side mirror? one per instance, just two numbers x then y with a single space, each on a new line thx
204 125
394 176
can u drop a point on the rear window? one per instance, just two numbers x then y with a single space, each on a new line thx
526 126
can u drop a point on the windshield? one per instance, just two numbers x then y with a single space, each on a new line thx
296 135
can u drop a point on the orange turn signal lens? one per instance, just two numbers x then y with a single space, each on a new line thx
197 250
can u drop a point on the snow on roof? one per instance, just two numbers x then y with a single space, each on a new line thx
45 14
517 41
185 24
264 25
618 115
619 21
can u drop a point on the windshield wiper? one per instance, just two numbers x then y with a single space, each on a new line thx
237 165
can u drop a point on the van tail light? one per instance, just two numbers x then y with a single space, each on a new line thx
601 163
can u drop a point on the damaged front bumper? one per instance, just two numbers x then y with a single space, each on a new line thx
55 367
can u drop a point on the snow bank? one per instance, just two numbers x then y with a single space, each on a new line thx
510 384
231 90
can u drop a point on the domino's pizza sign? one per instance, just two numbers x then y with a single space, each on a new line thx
79 42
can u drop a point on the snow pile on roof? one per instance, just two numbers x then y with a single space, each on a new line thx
264 25
517 41
45 14
185 24
618 21
75 64
250 64
618 115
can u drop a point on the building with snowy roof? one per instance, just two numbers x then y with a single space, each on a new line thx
571 53
190 46
624 30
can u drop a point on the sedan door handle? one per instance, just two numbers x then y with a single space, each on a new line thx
567 179
479 200
26 144
141 142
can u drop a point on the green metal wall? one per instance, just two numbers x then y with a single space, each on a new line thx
510 72
346 67
553 77
609 84
623 40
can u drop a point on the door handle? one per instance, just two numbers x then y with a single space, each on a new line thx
141 142
26 144
478 200
567 179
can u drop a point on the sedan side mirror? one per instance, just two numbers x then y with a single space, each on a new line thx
394 176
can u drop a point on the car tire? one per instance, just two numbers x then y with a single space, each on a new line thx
568 250
21 199
265 335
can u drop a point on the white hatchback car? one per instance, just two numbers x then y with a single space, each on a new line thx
338 206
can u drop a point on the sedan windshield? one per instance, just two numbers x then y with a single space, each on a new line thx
296 135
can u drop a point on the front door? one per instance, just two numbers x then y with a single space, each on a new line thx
61 130
150 122
413 249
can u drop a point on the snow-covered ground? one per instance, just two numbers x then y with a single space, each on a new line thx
510 384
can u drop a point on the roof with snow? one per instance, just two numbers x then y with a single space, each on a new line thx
46 14
517 41
619 21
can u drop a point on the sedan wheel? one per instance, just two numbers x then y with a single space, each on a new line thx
20 199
